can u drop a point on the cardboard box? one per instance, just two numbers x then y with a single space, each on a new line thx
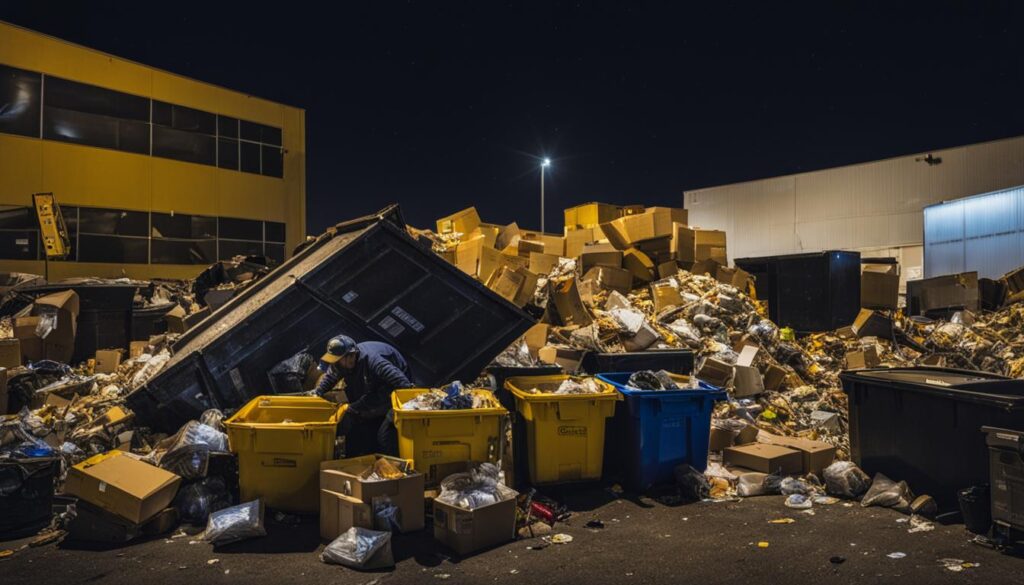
774 376
880 286
463 222
339 512
748 355
569 304
468 253
953 291
31 344
664 218
863 358
49 333
487 231
554 245
137 348
516 285
747 381
665 295
1014 280
576 240
639 264
747 435
347 477
123 486
815 455
590 215
872 324
720 439
609 278
708 267
695 245
176 320
735 276
668 269
526 247
469 531
764 458
599 255
107 360
543 263
715 372
645 337
10 353
536 337
568 358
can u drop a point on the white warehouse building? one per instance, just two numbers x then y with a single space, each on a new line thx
876 208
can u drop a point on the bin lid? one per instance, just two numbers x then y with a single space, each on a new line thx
962 385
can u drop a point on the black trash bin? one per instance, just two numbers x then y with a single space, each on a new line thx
677 361
1006 467
923 425
976 508
26 495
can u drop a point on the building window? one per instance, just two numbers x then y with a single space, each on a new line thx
19 234
184 134
95 116
183 239
261 149
19 101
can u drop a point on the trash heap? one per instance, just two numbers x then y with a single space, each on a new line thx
454 396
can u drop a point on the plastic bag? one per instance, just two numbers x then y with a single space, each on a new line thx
692 483
187 452
772 484
360 548
474 489
846 480
197 500
153 365
799 502
887 493
289 376
751 484
650 380
214 419
792 485
235 523
386 515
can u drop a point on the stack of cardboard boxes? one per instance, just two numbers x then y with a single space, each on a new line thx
48 333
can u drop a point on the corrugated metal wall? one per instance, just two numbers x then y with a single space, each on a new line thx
983 233
870 205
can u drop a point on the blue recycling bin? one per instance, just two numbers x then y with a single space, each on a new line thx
655 431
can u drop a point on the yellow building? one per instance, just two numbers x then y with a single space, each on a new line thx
157 175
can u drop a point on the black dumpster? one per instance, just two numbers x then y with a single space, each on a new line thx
26 494
1006 467
808 292
150 321
923 425
365 278
677 361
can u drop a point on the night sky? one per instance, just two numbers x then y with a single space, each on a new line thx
440 105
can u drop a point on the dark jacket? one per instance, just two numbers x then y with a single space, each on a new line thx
379 370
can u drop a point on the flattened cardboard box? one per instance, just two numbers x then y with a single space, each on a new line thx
121 485
815 455
107 360
10 352
569 304
468 531
463 222
880 286
566 357
609 278
599 255
339 512
543 263
747 381
343 476
863 358
576 240
764 458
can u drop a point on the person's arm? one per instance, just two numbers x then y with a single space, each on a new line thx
328 380
388 378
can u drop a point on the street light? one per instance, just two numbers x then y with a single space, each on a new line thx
543 165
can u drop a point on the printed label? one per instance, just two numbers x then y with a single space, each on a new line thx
463 523
350 296
21 242
1006 437
408 319
236 379
394 328
569 431
103 486
428 454
280 462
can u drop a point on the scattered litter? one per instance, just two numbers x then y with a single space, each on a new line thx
560 538
896 555
837 560
798 502
957 565
360 548
920 524
212 561
594 524
782 521
762 544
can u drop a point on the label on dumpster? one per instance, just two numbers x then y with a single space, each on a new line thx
428 454
570 431
394 328
350 296
21 242
280 462
408 319
236 379
1006 437
103 486
463 523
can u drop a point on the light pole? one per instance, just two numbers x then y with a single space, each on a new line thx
543 166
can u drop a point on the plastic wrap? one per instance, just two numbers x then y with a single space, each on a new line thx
236 523
474 489
887 493
649 380
692 483
187 452
214 419
845 479
195 501
360 548
751 484
386 515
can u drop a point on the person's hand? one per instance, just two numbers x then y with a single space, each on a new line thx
346 422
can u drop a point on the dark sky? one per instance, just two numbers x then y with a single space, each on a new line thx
440 105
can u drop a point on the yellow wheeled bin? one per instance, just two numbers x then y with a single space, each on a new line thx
280 441
440 442
564 432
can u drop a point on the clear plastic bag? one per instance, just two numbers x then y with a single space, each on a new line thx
214 419
360 548
751 484
187 452
799 502
477 488
792 485
197 500
887 493
386 515
236 523
844 479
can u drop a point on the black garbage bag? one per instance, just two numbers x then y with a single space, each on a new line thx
198 499
289 376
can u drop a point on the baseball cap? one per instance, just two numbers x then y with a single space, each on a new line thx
337 348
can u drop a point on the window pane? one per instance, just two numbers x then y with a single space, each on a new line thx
229 249
227 127
241 229
227 154
273 161
250 157
250 131
183 225
19 244
275 231
275 252
80 97
115 249
93 220
19 101
182 145
183 118
70 214
270 135
18 218
183 252
95 130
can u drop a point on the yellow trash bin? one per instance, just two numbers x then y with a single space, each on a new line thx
280 441
440 441
564 432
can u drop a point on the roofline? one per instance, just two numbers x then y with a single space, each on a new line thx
860 164
975 196
140 64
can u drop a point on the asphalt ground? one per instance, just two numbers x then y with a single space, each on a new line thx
643 541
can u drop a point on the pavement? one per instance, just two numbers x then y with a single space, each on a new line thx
643 541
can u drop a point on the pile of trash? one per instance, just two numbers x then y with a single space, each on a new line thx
571 385
454 396
479 487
